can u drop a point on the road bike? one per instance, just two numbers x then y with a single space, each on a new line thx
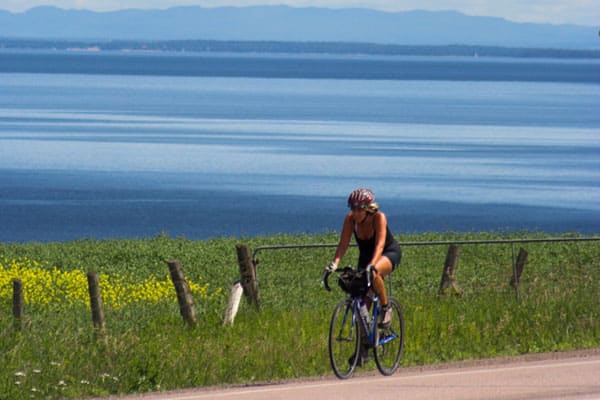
353 325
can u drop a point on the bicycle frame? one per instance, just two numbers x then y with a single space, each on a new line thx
374 320
370 330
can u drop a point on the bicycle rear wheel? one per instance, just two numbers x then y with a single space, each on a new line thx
390 341
343 340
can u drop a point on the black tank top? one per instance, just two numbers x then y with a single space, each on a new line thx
366 247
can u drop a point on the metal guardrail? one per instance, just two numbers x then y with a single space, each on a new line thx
512 242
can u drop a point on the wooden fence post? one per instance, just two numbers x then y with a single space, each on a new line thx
96 303
448 284
18 304
248 274
518 269
184 294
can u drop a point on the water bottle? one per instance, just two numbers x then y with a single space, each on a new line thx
364 313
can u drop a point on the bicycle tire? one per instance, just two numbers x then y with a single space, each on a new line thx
390 341
344 340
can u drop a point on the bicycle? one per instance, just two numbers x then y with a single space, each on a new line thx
347 326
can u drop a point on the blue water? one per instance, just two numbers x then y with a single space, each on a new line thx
103 146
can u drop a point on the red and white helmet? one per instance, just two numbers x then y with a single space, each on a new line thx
360 198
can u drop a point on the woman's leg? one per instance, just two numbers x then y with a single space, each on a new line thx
382 269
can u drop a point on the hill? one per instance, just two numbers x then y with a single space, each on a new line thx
288 24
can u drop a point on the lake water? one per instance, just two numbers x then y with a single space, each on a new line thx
107 146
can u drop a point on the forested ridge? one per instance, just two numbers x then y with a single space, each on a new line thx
341 48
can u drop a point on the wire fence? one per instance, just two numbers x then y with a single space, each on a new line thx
511 242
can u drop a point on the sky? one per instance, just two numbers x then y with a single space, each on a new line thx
579 12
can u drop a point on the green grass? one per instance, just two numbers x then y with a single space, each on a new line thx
148 347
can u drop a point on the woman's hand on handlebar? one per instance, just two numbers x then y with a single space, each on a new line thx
332 266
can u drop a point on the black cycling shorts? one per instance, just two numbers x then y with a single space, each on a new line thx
393 253
395 256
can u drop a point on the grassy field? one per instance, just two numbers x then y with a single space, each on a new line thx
147 346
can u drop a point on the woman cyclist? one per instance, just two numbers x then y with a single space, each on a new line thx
377 247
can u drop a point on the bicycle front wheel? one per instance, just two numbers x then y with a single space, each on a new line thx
343 340
390 341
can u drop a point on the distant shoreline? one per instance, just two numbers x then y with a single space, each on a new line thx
276 47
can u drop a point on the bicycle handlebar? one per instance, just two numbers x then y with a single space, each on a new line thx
325 280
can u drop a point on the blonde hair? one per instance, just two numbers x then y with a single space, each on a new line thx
372 208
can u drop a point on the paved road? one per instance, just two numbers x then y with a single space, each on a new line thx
565 377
